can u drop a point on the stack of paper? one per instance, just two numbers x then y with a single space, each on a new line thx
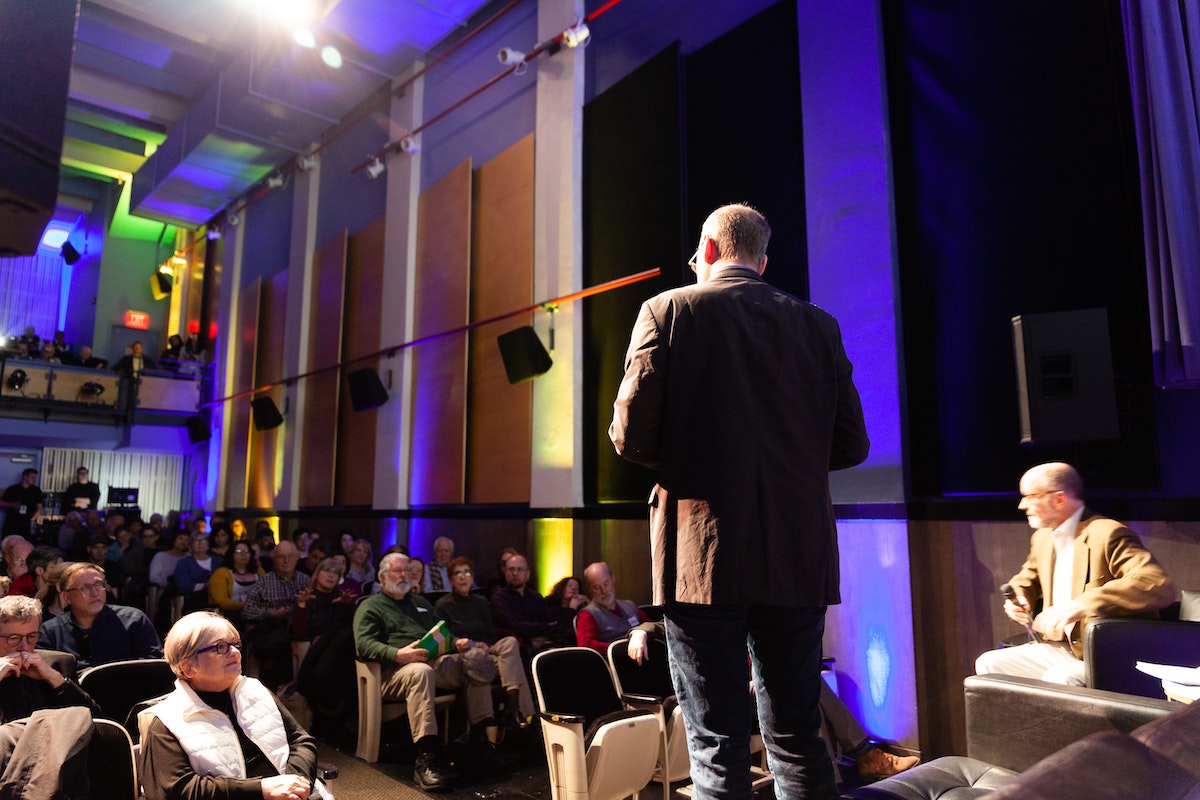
1179 683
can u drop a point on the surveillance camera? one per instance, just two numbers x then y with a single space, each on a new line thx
508 55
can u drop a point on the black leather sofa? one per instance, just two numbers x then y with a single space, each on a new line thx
1029 739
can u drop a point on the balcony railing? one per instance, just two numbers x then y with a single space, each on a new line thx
34 389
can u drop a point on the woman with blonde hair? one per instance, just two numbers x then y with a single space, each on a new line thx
192 741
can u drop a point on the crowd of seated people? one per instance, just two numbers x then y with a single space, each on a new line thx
31 347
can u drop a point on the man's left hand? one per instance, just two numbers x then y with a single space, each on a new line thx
1052 623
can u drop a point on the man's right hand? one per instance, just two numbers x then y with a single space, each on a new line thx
411 654
637 648
1018 611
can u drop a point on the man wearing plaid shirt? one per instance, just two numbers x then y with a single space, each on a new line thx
268 613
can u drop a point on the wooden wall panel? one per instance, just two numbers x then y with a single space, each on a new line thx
440 367
263 481
499 419
319 448
364 308
236 476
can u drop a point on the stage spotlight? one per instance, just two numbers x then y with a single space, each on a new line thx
306 163
16 381
331 56
510 56
409 145
92 388
305 38
161 285
69 253
233 218
576 35
375 168
213 234
275 181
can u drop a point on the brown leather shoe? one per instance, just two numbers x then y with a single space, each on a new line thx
876 764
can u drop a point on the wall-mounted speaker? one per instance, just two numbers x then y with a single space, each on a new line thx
366 390
265 413
1065 382
524 356
69 253
197 429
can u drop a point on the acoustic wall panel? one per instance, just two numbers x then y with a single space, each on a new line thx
499 420
319 447
265 459
440 366
237 468
364 308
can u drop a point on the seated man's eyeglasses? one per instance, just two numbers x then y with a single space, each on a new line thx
96 587
222 648
14 639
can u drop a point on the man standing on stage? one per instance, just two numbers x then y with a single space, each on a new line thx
741 396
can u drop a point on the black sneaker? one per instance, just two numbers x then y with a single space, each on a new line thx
429 777
484 756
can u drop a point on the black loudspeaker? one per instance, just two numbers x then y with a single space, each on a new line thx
69 253
266 414
198 430
523 354
366 390
1065 377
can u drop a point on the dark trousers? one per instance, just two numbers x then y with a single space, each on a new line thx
44 757
708 647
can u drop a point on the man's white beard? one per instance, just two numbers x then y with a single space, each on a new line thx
397 588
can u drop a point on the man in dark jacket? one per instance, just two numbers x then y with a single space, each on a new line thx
741 396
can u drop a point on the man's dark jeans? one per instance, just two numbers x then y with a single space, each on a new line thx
708 646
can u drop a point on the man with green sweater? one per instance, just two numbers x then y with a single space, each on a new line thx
387 629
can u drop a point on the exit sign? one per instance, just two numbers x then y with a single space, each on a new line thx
137 319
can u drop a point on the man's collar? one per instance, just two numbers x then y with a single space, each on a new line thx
1070 525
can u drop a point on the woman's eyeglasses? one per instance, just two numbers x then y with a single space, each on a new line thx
222 648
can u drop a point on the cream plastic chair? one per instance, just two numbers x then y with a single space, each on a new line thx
648 687
373 712
595 748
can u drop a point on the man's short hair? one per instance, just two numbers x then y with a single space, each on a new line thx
386 562
74 569
11 542
29 471
42 556
17 608
741 233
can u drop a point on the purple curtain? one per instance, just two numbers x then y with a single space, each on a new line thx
30 289
1162 43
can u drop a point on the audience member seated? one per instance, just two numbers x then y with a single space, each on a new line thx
565 600
500 579
605 619
387 627
221 734
324 617
72 527
264 545
318 551
49 354
232 581
48 595
97 555
40 562
416 574
22 353
219 541
437 574
86 359
47 719
1082 567
171 357
360 571
93 631
522 612
268 613
127 553
194 571
30 338
82 494
16 550
469 616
